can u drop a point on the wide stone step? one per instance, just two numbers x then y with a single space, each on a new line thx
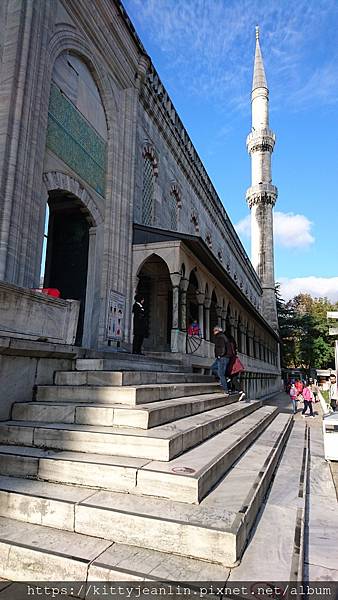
190 477
187 479
276 553
217 530
36 553
121 378
160 443
128 395
127 363
39 553
114 473
142 416
206 532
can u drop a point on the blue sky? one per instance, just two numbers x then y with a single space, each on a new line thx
203 51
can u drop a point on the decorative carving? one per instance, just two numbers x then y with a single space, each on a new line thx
149 151
194 221
208 240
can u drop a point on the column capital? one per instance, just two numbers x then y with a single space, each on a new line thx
200 297
207 303
184 284
175 279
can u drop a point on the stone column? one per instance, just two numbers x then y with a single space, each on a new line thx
175 280
223 319
261 349
200 300
256 344
207 303
26 29
175 307
232 327
219 316
175 342
183 304
251 342
242 330
89 305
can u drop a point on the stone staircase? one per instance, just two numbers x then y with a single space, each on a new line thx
120 474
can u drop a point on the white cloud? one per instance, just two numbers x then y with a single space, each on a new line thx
209 47
243 227
290 230
317 287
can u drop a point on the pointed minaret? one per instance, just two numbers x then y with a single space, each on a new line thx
262 195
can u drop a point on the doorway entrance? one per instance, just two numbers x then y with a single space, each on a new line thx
67 250
155 286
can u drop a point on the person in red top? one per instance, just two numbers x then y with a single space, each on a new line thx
194 328
299 386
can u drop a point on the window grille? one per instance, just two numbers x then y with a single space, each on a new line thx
173 209
147 192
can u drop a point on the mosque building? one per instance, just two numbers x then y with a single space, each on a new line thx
102 195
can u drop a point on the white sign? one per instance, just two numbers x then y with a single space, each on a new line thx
333 331
332 315
116 308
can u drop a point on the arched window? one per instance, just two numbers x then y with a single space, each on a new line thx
174 206
148 192
148 187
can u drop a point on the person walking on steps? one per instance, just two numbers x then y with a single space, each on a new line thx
139 324
308 400
233 379
223 352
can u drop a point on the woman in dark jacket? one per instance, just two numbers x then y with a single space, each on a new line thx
139 324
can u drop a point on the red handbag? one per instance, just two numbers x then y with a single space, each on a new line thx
236 367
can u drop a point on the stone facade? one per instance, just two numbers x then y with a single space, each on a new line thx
87 128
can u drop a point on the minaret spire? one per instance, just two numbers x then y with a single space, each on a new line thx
262 195
259 79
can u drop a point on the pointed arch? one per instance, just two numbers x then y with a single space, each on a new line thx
56 180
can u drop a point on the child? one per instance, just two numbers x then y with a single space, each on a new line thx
293 395
194 328
308 399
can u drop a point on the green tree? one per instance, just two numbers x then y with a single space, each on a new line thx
304 332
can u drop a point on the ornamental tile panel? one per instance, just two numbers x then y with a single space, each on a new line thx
73 139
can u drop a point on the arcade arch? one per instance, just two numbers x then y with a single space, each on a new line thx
154 284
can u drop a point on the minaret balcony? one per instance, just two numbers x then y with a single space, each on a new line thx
263 193
262 139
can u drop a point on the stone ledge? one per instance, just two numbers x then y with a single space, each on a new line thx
22 347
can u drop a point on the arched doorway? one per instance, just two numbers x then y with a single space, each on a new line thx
155 286
67 249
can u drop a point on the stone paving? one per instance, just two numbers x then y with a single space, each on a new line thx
334 472
321 535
